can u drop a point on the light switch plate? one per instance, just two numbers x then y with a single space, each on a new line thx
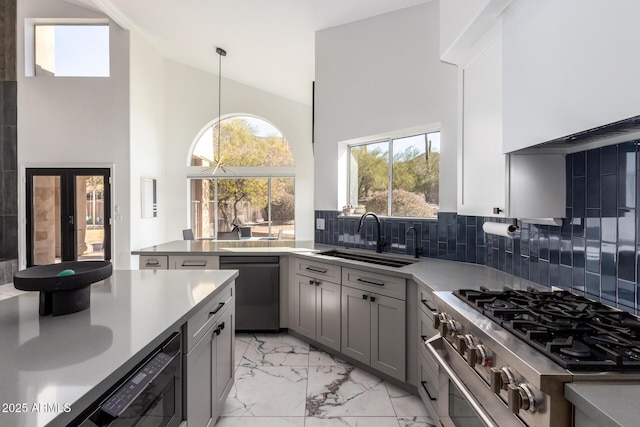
319 223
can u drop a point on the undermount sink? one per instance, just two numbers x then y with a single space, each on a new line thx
389 262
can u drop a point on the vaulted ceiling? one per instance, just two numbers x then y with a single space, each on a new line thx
269 43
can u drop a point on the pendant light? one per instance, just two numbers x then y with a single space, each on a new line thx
217 159
221 52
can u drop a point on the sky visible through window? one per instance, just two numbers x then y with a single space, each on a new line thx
81 50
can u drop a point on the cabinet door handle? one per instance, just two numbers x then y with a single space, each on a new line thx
429 305
311 282
369 282
217 330
194 263
364 296
424 385
373 299
221 326
220 305
317 269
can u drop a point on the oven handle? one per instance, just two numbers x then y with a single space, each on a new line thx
459 384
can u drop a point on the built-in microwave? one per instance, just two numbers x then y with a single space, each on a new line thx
150 396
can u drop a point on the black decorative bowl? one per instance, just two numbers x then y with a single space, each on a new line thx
64 287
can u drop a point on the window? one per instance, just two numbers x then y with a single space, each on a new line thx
245 190
71 50
396 176
244 141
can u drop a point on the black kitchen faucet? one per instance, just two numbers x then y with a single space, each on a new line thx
379 242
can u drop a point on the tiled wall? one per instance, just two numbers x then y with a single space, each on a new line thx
8 171
451 236
8 141
596 251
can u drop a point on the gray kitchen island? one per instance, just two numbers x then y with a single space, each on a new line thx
53 368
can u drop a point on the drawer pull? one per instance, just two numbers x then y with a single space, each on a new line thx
152 263
220 305
369 282
194 263
424 385
317 269
429 305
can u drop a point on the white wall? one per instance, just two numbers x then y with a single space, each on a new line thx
191 102
379 75
456 16
147 140
569 66
76 121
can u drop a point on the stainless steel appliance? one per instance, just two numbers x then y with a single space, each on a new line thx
150 396
501 358
257 291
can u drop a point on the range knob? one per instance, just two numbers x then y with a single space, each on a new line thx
482 355
453 327
501 378
461 344
439 319
521 397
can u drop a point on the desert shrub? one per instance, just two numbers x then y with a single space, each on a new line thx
404 203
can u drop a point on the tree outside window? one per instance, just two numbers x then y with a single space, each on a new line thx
412 176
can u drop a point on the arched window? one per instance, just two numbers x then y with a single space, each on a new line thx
247 182
244 141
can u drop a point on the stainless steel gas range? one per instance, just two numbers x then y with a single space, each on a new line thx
501 358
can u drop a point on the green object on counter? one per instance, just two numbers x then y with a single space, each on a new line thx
67 272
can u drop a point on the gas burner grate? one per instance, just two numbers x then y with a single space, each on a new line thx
577 333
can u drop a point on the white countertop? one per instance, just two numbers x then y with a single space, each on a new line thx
73 359
222 247
437 274
611 404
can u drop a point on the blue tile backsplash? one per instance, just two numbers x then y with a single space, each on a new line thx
596 252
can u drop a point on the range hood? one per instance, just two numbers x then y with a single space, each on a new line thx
612 133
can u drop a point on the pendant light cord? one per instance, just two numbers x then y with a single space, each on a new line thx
221 52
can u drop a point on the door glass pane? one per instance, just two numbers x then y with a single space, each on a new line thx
89 218
369 176
46 245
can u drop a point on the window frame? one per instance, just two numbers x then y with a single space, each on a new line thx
387 138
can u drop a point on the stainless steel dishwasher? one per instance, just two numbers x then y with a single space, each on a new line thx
257 291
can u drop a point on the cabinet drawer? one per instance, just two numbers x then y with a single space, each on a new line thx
425 302
204 319
319 270
151 262
382 284
194 262
428 385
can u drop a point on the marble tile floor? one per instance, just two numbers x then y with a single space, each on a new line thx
282 381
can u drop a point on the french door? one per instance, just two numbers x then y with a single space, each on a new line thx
68 215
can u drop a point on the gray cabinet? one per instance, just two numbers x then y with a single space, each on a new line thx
153 262
373 324
209 360
316 308
194 262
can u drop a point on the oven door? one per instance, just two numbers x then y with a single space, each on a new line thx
464 399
